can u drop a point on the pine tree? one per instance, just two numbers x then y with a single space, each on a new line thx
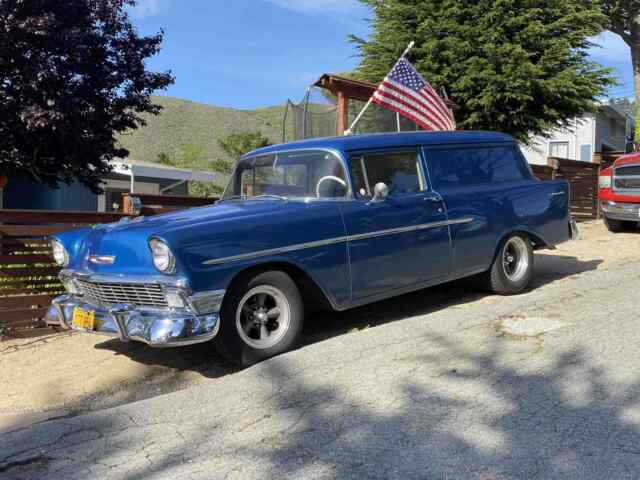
516 66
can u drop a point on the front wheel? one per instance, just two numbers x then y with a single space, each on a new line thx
262 316
512 268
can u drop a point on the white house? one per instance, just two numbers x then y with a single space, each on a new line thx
605 131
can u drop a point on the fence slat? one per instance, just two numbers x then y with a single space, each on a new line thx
29 271
49 217
24 301
22 316
31 230
14 259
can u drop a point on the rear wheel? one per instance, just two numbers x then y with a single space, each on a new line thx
617 226
262 316
512 268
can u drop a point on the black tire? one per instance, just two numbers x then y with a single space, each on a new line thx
617 226
510 280
230 342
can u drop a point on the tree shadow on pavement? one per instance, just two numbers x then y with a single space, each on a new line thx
428 409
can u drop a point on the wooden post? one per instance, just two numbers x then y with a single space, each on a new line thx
343 114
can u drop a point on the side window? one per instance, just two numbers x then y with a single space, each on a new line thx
400 171
462 167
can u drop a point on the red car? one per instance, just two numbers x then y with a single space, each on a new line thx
619 193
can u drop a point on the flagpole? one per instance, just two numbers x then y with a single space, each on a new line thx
349 131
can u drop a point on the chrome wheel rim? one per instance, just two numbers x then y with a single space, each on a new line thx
515 259
263 317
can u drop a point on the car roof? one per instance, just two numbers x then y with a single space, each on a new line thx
382 140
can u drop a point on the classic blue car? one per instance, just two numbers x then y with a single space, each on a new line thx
334 223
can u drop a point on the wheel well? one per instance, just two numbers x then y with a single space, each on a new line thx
536 242
313 296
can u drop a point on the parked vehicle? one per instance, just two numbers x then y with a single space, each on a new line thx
333 223
619 193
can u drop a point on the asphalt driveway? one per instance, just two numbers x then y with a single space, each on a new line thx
443 383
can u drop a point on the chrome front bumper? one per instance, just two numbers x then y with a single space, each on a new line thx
190 317
621 211
158 328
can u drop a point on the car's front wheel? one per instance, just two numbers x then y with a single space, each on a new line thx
512 268
262 316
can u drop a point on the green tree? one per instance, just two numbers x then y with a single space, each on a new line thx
195 156
516 66
237 144
623 18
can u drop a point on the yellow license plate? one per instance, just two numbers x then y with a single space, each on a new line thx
84 319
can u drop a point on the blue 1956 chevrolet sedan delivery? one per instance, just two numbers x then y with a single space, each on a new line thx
336 222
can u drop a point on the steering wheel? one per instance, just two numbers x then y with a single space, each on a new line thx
329 177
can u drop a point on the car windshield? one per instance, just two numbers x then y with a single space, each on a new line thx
288 175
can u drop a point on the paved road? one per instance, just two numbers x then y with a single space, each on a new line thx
427 392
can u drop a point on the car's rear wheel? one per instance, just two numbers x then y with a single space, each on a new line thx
262 316
512 268
617 226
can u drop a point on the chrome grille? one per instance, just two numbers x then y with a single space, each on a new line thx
626 180
135 294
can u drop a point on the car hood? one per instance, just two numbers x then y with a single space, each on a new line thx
220 212
187 231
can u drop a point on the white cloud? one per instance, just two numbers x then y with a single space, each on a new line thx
149 8
319 6
611 48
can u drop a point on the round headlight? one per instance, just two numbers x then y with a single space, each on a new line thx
60 254
163 259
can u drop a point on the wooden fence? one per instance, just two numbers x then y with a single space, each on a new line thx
543 172
28 275
583 179
155 204
606 159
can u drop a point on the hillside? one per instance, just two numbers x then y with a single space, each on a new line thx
183 122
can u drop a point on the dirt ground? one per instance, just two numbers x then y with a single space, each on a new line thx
65 374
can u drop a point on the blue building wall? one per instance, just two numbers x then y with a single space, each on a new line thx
24 193
27 194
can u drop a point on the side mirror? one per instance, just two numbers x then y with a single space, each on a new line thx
380 192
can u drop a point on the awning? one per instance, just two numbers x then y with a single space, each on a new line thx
133 168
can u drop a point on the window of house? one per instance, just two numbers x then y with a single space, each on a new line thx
586 154
559 149
400 171
460 167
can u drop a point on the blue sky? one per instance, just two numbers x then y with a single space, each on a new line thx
257 53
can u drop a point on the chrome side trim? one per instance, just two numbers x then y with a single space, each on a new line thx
275 251
332 241
411 228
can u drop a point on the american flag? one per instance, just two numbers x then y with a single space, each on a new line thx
405 91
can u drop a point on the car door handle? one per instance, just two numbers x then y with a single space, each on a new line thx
557 194
433 198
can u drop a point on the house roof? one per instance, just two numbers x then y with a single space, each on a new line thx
137 168
382 140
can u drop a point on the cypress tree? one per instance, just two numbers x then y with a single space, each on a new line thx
516 66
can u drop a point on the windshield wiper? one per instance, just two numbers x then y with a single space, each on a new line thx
269 195
247 197
232 197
